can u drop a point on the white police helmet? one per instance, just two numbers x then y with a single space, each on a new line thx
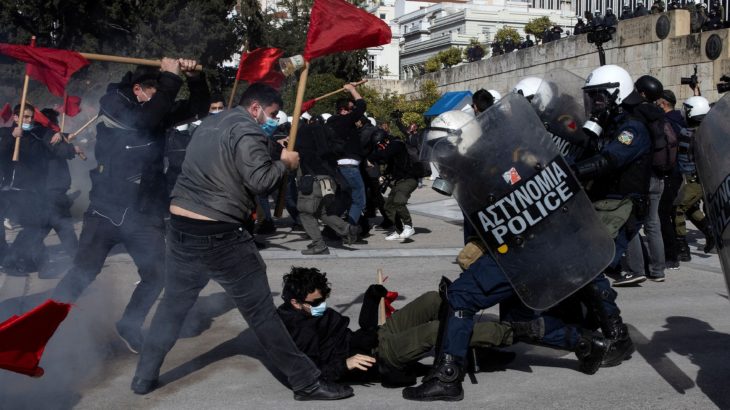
612 79
458 127
696 108
326 116
282 117
306 116
528 87
497 96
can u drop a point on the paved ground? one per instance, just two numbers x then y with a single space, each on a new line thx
680 328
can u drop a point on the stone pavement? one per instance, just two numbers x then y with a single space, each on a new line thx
680 328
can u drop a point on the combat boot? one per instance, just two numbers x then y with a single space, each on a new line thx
443 383
591 352
683 246
709 238
620 345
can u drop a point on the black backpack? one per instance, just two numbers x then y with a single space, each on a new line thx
664 144
416 167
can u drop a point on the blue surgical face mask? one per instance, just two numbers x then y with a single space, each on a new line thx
26 127
319 309
270 126
214 112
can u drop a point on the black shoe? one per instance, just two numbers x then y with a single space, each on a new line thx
684 253
443 383
435 390
709 244
629 279
132 338
141 386
323 390
316 250
656 278
620 346
591 352
673 265
352 233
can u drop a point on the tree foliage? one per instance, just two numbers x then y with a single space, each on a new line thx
507 32
537 26
450 57
433 64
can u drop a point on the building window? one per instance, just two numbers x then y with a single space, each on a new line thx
371 64
382 16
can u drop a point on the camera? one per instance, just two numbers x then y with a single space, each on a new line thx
724 85
599 34
691 80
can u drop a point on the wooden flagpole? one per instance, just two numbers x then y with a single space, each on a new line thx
21 113
63 113
235 83
293 135
381 306
322 97
127 60
83 127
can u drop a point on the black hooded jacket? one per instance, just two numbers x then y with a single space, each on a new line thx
129 148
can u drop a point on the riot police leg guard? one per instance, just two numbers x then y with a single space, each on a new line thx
601 300
703 226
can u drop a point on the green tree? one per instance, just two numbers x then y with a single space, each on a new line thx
537 26
450 57
433 64
507 32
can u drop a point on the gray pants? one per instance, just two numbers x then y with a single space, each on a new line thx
634 262
311 209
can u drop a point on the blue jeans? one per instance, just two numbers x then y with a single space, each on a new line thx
357 188
232 260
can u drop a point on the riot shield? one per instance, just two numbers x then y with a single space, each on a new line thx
712 155
559 104
522 198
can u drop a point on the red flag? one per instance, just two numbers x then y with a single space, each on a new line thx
389 298
7 113
50 66
273 78
71 106
336 25
307 105
41 119
258 64
23 338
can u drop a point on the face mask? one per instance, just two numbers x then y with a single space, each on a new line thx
214 112
145 96
269 126
26 127
319 309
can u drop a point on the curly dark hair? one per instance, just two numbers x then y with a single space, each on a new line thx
300 282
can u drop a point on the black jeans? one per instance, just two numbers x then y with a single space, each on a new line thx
144 238
232 260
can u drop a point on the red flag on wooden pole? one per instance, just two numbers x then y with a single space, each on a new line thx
258 64
23 338
71 106
50 66
336 25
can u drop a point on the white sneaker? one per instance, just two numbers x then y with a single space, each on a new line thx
395 236
8 224
408 231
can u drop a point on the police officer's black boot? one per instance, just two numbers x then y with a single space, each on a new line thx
442 383
704 227
683 247
591 352
616 333
620 345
